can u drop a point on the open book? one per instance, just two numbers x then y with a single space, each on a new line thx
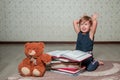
75 55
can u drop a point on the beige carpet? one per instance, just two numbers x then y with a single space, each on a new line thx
109 71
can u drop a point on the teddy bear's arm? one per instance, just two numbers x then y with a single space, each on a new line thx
26 61
46 58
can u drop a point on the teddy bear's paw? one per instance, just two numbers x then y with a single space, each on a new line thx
36 72
25 71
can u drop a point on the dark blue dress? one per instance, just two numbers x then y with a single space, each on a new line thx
84 43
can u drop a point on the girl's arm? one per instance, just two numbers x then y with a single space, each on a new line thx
76 26
94 25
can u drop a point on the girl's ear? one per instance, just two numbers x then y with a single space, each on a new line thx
90 27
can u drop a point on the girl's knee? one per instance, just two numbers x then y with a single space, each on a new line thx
92 66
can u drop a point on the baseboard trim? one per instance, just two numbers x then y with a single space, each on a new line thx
57 42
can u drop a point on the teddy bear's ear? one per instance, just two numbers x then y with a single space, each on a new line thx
41 44
27 44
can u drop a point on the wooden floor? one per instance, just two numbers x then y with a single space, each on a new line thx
12 54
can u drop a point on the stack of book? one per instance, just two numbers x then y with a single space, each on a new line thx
68 61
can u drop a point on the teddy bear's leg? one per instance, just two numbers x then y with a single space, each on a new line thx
38 71
25 70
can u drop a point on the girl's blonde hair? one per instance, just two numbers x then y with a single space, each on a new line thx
84 19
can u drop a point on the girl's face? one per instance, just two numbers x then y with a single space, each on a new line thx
85 26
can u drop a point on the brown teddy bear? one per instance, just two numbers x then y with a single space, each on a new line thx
35 62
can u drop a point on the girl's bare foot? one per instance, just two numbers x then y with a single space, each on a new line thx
101 63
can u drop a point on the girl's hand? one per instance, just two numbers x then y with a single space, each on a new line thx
94 16
76 21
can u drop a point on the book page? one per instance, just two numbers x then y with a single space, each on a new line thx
76 55
58 53
73 54
81 58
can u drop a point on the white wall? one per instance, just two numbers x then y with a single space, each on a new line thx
51 20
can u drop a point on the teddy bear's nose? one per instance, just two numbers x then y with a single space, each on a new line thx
32 52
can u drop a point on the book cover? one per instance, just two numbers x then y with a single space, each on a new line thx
69 70
66 73
65 65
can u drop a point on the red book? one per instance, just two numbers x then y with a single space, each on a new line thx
73 71
69 69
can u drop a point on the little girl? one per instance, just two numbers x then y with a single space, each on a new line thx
85 29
